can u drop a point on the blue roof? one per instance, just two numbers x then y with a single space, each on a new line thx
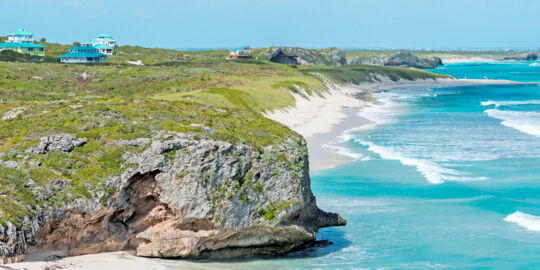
240 48
21 32
82 55
86 42
101 46
83 48
21 45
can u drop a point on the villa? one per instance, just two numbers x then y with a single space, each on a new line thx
106 40
242 52
22 41
104 49
83 54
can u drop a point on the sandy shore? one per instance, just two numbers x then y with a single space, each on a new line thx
102 261
323 119
454 60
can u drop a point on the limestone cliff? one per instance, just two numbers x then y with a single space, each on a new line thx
181 197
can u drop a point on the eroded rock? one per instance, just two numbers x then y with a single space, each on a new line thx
197 199
61 142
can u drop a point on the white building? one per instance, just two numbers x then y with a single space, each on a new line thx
21 36
106 40
104 49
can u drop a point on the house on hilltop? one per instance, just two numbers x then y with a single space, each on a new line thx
106 40
242 52
102 48
22 41
279 56
83 54
21 36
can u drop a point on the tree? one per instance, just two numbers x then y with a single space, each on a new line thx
43 40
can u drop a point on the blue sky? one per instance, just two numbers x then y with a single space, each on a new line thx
305 23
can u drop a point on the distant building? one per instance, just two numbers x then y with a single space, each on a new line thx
86 44
21 36
278 56
83 54
104 49
242 52
106 40
22 41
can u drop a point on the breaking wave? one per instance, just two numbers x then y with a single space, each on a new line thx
510 103
526 122
527 221
433 172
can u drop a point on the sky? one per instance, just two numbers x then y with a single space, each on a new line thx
260 23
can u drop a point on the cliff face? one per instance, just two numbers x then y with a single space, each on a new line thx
403 59
184 198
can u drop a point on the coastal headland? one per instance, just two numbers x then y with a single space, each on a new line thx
176 157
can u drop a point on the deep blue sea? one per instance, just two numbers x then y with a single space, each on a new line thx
445 178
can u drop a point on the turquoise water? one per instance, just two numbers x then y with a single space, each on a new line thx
446 178
440 175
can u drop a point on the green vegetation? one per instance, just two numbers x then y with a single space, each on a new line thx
196 93
13 56
367 73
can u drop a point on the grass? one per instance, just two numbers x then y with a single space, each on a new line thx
365 73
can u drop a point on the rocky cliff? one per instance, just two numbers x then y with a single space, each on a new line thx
171 194
330 57
402 59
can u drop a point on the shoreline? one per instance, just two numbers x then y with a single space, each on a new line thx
338 113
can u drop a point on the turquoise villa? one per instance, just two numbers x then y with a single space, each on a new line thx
83 54
22 41
105 39
96 51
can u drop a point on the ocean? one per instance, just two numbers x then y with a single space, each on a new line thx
444 178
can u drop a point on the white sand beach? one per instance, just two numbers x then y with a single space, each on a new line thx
322 119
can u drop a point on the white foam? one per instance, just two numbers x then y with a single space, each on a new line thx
509 103
383 111
526 122
535 65
527 221
346 152
433 172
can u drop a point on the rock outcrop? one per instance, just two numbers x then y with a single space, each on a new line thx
330 57
528 57
402 59
182 198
